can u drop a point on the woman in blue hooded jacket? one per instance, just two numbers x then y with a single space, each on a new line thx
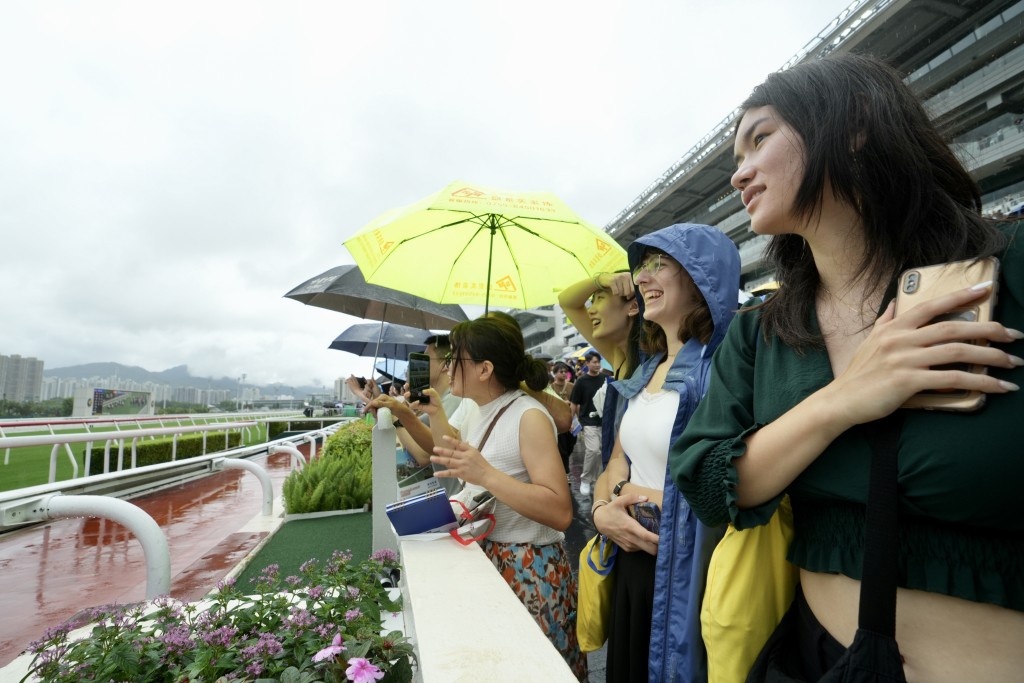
687 277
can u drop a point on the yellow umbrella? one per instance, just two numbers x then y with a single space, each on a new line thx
470 244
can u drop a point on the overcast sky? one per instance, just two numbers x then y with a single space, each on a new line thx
169 170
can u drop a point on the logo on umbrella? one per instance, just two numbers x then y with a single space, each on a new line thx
602 249
506 284
467 192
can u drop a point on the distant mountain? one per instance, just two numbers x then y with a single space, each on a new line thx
177 376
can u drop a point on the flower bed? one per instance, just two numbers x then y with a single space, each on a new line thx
325 625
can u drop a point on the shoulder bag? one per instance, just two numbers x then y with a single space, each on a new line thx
874 656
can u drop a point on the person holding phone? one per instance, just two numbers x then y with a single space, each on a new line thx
686 279
838 162
512 453
413 430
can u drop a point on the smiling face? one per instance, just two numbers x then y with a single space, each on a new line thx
770 168
668 292
610 316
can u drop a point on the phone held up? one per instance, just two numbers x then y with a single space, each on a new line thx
918 285
418 377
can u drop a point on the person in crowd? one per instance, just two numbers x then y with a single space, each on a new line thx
413 430
605 311
838 162
512 453
561 386
582 402
555 405
686 276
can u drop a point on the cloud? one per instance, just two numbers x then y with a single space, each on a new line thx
169 171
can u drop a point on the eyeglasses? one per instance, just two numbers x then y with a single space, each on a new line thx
446 362
651 265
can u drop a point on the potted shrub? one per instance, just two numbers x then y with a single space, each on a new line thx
339 479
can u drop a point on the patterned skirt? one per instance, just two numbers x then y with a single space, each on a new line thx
542 579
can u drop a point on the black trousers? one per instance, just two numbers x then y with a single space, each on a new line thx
629 638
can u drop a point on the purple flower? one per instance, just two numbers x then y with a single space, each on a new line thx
384 555
331 651
361 671
353 614
316 592
292 580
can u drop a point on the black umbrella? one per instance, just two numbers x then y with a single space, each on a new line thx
384 339
343 289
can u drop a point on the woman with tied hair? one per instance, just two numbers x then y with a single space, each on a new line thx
838 162
519 464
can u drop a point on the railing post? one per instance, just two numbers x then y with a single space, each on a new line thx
261 474
147 531
385 480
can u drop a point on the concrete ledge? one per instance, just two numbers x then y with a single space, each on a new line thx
467 623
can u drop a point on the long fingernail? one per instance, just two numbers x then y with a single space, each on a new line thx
1009 386
1016 360
981 285
1014 334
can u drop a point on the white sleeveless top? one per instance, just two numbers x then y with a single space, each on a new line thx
502 452
646 433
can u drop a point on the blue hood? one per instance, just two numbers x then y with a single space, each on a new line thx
709 257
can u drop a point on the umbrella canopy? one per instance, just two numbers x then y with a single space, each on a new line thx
392 368
468 244
343 289
395 341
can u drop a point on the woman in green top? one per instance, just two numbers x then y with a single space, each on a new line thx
838 161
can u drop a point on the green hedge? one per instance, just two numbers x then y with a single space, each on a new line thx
276 428
152 452
340 479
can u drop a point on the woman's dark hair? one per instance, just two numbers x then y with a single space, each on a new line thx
499 341
866 133
697 324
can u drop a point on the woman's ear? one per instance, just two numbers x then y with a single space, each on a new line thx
486 370
634 307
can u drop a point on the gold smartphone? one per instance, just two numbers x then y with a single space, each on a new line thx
918 285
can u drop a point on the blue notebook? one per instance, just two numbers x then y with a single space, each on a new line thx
420 514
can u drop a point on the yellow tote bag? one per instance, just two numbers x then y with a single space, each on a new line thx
750 586
594 604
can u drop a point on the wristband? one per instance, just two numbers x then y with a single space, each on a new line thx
597 504
597 282
618 487
398 424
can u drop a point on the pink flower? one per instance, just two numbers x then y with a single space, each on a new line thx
331 651
361 671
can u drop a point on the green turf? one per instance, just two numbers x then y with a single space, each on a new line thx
30 465
305 539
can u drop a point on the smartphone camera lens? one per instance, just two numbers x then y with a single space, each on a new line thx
911 282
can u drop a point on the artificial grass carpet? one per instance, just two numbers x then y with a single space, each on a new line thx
305 539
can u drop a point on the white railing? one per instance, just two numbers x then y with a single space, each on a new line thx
466 622
72 498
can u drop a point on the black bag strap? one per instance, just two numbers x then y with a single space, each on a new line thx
881 537
494 422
